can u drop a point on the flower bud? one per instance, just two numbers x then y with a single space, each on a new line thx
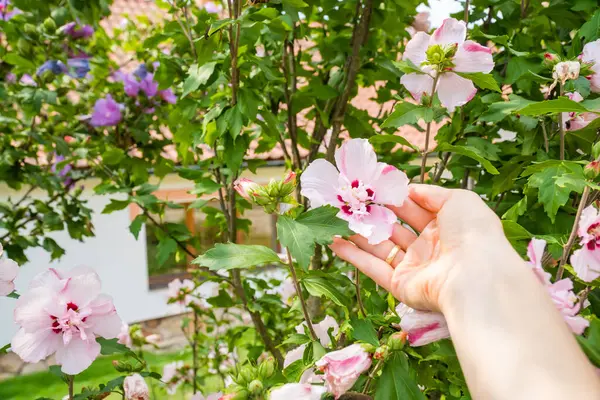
135 388
49 25
29 29
245 187
596 151
290 178
397 340
240 395
122 366
267 368
246 375
592 170
381 352
23 46
255 387
550 57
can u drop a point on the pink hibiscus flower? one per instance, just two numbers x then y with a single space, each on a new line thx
8 273
360 189
591 54
64 313
586 260
422 327
442 54
297 391
343 367
572 120
180 292
561 292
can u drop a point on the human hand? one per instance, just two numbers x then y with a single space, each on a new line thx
459 233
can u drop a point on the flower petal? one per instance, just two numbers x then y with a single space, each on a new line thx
417 84
77 356
455 91
391 187
586 264
8 270
297 391
356 159
379 223
577 323
589 217
319 182
35 346
452 31
416 48
82 289
294 355
31 310
6 288
473 57
108 326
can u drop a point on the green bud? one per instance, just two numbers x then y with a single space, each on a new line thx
255 387
47 76
29 29
397 340
121 366
23 46
267 368
382 352
60 15
596 150
451 50
49 25
592 170
241 394
435 54
246 375
369 348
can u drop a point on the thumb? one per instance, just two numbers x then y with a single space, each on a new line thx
430 197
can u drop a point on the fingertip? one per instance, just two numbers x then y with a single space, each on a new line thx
429 197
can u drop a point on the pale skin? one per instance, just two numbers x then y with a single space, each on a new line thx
511 341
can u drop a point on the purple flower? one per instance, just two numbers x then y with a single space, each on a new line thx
71 29
27 80
212 8
56 67
5 15
64 172
141 71
107 112
10 78
79 67
130 85
149 86
168 95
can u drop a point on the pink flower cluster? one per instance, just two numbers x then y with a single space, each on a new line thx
561 291
360 189
63 313
176 373
182 293
463 56
586 260
572 120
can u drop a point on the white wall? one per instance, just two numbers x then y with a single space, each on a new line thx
114 253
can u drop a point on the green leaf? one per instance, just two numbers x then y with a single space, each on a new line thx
296 338
470 152
395 382
591 343
110 346
115 205
591 29
407 66
113 156
15 59
362 329
164 249
406 113
5 348
514 231
222 300
562 104
481 80
197 75
294 3
218 25
231 255
379 139
318 225
318 286
136 225
518 209
555 182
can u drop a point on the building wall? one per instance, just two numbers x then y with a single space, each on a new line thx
114 253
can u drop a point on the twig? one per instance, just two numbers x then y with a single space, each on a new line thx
70 381
361 306
313 335
561 128
290 79
499 201
425 152
466 17
441 167
546 142
359 37
573 235
372 375
195 353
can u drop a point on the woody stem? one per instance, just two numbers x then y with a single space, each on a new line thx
425 152
313 335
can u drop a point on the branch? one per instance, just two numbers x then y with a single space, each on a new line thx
313 335
359 37
425 152
441 167
290 80
573 235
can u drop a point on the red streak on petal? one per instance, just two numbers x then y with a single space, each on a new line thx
418 333
355 183
476 48
388 169
591 245
370 192
346 209
339 197
72 306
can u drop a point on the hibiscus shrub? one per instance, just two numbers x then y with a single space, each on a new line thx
506 105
